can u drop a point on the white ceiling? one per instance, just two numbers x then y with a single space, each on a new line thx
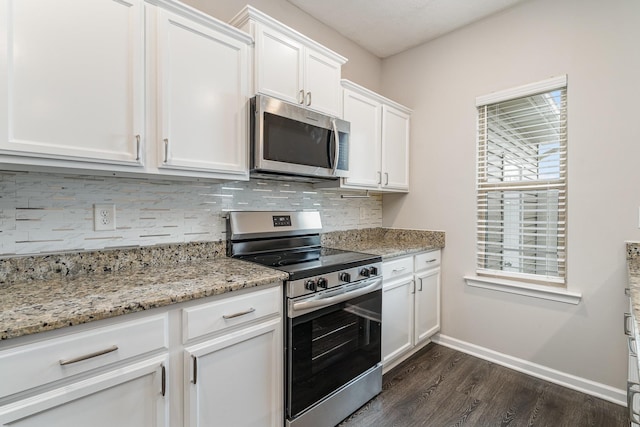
387 27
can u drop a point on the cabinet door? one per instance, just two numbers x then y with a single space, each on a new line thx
397 318
203 93
236 380
279 65
427 305
130 396
364 140
395 148
71 79
322 83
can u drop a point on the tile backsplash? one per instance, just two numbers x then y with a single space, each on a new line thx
42 213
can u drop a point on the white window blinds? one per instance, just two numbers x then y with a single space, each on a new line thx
522 183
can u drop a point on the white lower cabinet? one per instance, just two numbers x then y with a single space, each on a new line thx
235 380
210 362
410 305
103 376
130 396
633 377
397 308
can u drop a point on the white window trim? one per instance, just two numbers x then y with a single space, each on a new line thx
548 292
527 289
522 91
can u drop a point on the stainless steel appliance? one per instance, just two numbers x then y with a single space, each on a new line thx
288 140
333 304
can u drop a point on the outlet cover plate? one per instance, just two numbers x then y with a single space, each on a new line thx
104 217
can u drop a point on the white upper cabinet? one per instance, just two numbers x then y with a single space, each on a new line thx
279 65
203 93
71 80
365 142
395 148
123 86
290 66
378 141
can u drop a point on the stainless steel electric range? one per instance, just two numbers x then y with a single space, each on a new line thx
333 304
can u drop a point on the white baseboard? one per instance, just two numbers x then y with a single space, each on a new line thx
611 394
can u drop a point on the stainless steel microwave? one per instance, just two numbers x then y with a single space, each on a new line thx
291 142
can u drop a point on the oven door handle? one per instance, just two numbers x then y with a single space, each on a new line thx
323 302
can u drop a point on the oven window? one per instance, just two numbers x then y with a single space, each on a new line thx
291 141
330 347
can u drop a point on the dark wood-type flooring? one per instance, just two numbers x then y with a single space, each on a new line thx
441 387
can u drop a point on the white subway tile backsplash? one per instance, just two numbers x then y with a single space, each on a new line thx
42 213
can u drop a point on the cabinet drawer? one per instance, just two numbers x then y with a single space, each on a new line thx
42 362
397 268
232 311
427 260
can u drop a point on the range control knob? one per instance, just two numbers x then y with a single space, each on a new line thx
345 277
310 285
373 271
322 283
364 272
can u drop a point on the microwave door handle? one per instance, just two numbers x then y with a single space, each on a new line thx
336 139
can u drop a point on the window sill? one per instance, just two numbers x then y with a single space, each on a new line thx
526 289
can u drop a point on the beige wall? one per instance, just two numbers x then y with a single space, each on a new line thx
363 67
597 44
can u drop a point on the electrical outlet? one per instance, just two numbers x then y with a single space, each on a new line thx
104 217
363 212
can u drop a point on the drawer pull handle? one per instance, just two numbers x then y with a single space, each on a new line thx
242 313
627 329
88 356
431 260
397 270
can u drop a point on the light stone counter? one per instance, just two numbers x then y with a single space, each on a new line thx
46 292
387 242
43 293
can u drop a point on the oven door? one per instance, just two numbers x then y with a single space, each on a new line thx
328 345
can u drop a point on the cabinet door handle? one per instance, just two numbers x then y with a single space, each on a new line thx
163 390
420 278
632 347
631 392
138 147
627 329
111 349
379 177
195 369
308 98
627 292
301 96
242 313
386 176
166 150
413 287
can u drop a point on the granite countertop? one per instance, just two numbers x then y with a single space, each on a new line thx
387 242
28 307
46 292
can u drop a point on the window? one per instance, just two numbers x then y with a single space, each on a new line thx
522 183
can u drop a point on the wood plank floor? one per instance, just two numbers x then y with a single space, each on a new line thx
442 387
